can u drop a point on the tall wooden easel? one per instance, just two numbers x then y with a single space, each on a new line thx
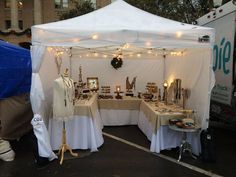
64 147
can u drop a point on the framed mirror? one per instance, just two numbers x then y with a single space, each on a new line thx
92 83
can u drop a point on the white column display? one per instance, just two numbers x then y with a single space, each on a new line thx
14 15
37 12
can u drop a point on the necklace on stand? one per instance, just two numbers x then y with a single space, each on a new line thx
68 85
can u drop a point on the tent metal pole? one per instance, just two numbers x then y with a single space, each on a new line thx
70 56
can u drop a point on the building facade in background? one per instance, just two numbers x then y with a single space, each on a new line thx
17 16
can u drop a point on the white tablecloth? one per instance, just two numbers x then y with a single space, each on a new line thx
119 111
114 117
83 131
164 137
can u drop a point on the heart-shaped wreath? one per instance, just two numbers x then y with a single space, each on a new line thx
116 62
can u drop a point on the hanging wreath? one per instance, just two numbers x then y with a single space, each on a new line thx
116 62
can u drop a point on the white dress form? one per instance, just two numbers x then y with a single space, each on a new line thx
63 98
63 108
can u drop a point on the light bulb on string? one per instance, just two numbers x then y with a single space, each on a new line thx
49 49
178 34
95 36
148 43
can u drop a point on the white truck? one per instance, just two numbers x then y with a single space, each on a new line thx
223 97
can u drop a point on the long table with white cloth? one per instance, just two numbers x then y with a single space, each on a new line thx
152 120
83 131
119 111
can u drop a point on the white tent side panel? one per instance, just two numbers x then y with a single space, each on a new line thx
194 69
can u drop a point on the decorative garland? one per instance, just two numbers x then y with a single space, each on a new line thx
116 62
25 32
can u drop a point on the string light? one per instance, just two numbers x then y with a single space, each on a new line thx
49 49
178 34
76 40
126 46
180 53
95 36
148 43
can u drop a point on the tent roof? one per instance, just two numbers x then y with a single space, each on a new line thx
120 23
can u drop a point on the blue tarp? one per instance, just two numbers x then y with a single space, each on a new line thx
15 70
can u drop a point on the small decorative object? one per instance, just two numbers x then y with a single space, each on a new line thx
177 90
118 91
118 88
117 62
147 96
106 92
80 84
130 86
159 95
152 88
185 96
139 94
92 83
171 93
204 38
188 122
173 121
165 85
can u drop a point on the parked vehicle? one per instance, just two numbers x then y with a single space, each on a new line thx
223 97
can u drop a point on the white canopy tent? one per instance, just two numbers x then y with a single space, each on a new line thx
146 42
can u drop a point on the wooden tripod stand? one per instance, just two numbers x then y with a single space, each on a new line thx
64 147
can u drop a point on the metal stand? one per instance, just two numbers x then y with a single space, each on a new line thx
64 147
185 146
118 96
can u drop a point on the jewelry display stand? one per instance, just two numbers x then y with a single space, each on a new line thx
64 146
63 107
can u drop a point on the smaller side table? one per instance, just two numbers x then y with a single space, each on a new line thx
185 145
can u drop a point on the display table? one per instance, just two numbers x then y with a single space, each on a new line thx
84 130
119 111
153 122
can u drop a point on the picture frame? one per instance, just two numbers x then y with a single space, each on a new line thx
92 83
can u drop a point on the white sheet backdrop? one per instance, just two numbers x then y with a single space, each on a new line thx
146 70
